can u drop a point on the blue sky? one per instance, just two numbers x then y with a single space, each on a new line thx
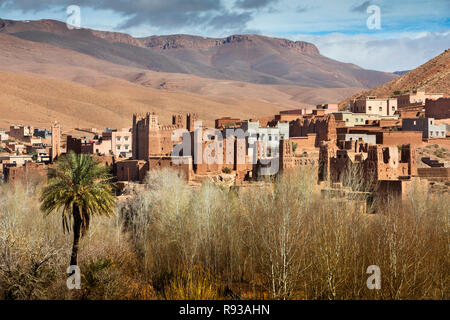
411 31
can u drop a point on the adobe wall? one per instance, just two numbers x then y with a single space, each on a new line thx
437 109
394 138
131 170
323 126
157 163
308 142
226 122
79 147
433 172
26 172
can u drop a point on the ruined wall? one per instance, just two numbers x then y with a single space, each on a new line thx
157 163
323 126
30 171
131 170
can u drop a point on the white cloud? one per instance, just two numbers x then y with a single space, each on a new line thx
392 52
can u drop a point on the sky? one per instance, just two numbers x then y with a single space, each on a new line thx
384 35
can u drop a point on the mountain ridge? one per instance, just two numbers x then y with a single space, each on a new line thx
250 58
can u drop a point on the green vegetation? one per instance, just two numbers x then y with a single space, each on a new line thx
169 241
226 170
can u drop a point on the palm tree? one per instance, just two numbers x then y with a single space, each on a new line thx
80 187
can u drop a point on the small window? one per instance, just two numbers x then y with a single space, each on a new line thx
381 109
356 120
393 108
370 108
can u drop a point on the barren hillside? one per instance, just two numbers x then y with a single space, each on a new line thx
249 58
433 76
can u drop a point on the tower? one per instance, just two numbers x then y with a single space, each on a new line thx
56 141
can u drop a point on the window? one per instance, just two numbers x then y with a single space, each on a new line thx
370 108
118 147
356 120
126 138
347 120
393 108
380 108
118 138
126 147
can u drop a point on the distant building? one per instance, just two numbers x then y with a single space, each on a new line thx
20 132
416 98
355 119
3 136
269 136
328 107
42 133
438 109
121 143
227 122
427 126
80 146
374 105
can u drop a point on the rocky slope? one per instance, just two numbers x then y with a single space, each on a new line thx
433 77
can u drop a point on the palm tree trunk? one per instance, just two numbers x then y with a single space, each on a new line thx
76 236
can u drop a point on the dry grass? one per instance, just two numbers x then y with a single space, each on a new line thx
280 242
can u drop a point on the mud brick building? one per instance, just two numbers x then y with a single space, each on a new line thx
416 98
323 126
227 122
22 133
427 126
80 145
30 171
374 105
390 170
437 109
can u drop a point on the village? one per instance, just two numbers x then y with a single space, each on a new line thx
396 142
